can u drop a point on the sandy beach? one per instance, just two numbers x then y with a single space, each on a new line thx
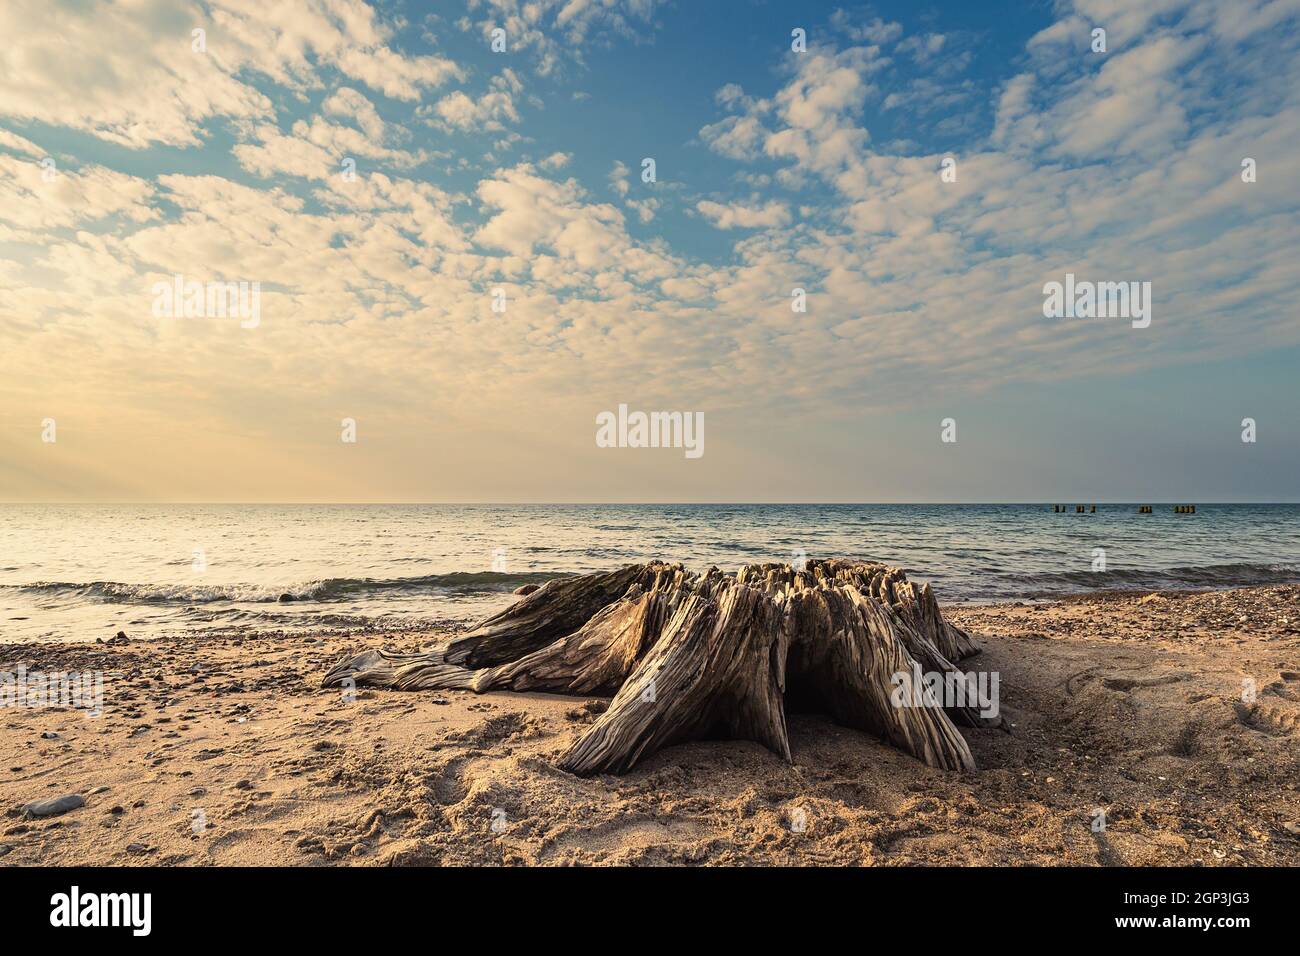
225 751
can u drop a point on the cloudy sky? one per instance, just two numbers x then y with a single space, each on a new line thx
128 156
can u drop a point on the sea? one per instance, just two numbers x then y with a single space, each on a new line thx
81 572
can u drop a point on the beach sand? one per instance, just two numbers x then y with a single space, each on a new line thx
223 752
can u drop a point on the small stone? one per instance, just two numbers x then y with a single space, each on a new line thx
139 848
525 589
1292 828
53 806
49 735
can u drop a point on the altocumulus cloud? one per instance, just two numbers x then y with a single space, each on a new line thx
376 291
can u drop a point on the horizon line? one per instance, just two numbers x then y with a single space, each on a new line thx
410 503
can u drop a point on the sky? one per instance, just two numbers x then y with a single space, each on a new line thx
461 261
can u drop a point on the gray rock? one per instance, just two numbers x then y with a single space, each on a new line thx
53 806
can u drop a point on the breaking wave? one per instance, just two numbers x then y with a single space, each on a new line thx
328 589
1203 576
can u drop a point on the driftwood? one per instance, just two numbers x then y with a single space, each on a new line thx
687 656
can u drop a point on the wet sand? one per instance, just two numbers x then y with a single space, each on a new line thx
224 751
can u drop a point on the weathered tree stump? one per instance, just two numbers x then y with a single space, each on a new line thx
687 657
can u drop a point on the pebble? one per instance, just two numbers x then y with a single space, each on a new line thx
54 806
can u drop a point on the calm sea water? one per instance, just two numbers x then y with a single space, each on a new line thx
81 572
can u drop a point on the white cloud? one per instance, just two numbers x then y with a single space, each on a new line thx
618 179
460 111
318 148
645 209
741 216
737 137
923 47
19 144
350 104
135 79
557 31
275 152
489 112
875 30
31 200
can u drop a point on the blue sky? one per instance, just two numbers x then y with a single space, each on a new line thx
479 171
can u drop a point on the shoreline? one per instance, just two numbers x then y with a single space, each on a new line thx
441 625
1126 702
1102 595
